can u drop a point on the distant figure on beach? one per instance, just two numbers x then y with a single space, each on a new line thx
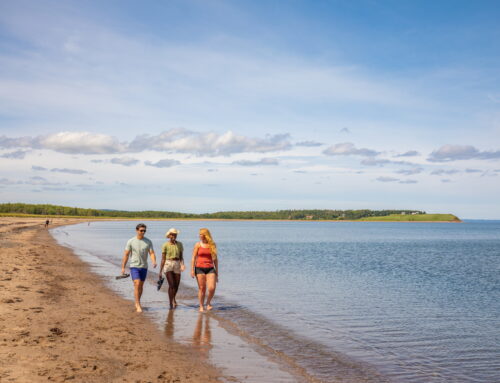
205 267
47 222
172 264
138 249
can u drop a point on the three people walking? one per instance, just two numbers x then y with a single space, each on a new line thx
204 265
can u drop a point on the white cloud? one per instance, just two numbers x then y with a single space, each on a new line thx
209 143
165 163
81 143
408 181
68 142
461 152
347 149
38 168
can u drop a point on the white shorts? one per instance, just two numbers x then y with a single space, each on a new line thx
171 265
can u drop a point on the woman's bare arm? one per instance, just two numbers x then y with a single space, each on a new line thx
193 258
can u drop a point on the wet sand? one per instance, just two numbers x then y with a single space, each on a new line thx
58 322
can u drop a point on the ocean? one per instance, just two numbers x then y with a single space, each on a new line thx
329 301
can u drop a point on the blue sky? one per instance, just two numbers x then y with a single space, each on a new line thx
243 105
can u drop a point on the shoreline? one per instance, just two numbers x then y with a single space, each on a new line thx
98 219
59 322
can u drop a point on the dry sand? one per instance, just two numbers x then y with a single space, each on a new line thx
59 323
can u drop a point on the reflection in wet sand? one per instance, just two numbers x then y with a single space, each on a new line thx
169 324
202 335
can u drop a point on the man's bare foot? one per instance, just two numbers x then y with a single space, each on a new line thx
138 308
172 307
201 310
209 307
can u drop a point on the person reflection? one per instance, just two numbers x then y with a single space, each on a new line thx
169 326
202 336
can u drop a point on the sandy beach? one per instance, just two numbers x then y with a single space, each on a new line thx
58 322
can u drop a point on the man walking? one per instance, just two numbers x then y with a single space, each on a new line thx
138 249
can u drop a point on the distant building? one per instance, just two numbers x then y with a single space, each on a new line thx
403 213
309 216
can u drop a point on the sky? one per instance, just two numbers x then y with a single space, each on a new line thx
202 106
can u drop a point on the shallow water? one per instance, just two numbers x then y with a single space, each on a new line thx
402 302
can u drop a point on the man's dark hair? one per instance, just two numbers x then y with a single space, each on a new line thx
139 226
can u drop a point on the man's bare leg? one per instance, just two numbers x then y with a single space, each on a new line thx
138 285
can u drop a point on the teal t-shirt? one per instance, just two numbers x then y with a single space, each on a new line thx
139 251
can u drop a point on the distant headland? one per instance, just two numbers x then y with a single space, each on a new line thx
23 209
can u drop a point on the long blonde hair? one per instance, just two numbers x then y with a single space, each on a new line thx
211 243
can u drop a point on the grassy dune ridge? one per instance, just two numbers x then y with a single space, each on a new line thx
414 218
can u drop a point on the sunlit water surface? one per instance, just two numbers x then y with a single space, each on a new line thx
323 301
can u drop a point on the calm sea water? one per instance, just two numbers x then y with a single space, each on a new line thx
400 302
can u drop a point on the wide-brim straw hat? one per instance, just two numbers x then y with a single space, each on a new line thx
172 231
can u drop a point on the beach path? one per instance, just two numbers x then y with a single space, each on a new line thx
58 322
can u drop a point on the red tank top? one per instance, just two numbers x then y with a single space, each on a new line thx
204 257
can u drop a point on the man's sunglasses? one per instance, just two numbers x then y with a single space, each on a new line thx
142 231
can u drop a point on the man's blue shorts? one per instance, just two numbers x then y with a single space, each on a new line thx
138 273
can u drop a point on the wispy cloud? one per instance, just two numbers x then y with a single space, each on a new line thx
308 143
125 161
16 155
387 179
408 181
381 162
261 162
410 153
448 153
408 172
440 172
68 171
165 163
347 149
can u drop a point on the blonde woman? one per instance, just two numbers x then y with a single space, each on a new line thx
205 267
172 264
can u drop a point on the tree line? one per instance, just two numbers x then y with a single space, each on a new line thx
307 214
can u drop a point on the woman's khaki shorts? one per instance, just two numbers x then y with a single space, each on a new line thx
171 265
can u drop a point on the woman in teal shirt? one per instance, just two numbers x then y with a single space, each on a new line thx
172 264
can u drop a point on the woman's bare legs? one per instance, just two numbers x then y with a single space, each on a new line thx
211 283
202 288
